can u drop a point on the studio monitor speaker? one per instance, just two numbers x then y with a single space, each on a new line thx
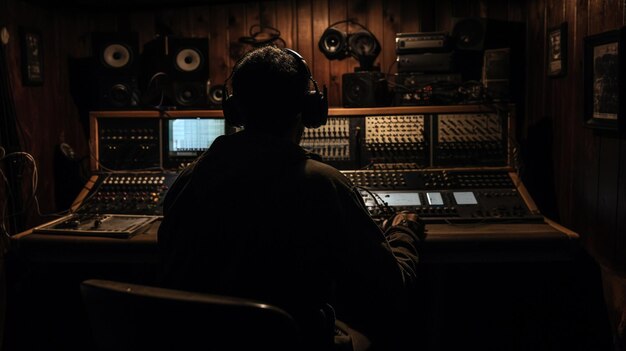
175 71
364 89
115 70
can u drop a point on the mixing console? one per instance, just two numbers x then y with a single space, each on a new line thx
443 196
128 193
398 161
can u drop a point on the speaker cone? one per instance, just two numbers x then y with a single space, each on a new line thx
469 34
357 91
188 60
216 94
116 56
189 93
120 95
333 44
364 44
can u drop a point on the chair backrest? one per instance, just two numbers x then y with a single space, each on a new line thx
136 317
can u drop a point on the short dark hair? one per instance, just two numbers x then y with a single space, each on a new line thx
270 86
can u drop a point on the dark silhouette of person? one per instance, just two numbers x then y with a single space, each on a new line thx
256 216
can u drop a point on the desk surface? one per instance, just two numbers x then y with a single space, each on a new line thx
445 243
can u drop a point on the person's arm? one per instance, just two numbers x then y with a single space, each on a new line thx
377 269
404 232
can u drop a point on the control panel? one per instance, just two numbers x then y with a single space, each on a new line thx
128 193
471 139
443 196
128 144
423 140
395 139
330 141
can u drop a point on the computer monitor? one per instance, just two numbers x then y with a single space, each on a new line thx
187 138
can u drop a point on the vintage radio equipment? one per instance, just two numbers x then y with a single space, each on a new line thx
422 42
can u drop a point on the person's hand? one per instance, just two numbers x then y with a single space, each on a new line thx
409 220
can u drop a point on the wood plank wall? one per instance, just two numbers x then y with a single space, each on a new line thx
589 167
48 114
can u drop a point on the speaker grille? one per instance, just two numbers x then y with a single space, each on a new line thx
364 89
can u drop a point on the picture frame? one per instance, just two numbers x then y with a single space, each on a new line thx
604 73
557 50
31 56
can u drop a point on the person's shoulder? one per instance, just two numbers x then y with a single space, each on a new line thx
319 171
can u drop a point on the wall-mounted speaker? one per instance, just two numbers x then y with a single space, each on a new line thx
364 89
115 70
189 58
178 68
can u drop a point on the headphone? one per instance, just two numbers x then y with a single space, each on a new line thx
314 105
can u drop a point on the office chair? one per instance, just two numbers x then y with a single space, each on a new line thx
135 317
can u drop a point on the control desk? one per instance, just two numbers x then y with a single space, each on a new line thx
450 164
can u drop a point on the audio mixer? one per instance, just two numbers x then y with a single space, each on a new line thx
448 167
128 193
444 196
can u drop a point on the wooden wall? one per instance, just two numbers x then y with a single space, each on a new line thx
589 167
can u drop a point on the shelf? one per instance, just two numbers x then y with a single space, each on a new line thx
333 111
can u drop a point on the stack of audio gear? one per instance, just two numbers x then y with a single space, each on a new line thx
425 69
138 155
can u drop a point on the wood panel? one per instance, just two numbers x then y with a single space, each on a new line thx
321 68
588 165
338 11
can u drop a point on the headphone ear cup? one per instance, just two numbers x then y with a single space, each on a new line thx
315 110
231 112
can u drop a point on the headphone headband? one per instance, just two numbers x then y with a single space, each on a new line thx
315 103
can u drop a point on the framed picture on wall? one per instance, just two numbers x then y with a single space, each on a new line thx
557 50
604 74
32 57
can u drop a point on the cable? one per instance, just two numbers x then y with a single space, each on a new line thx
378 201
93 191
34 184
255 36
150 82
352 21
